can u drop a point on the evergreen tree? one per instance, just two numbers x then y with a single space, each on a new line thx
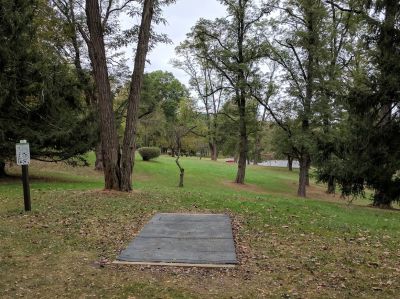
41 98
342 33
369 147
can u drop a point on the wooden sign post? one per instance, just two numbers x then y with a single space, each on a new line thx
23 159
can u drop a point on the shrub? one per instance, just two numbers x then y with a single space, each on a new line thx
148 153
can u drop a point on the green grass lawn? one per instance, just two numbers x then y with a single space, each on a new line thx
319 247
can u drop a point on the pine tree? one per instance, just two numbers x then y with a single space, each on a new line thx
41 99
367 147
384 147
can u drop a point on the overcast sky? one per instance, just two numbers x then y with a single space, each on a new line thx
180 16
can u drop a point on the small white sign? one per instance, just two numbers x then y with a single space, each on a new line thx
23 154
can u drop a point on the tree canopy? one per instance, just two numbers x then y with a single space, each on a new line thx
41 100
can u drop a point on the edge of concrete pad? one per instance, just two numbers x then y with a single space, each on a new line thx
191 213
117 262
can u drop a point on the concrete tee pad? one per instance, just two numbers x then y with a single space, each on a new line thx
196 239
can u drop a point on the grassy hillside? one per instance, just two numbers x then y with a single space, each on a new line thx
288 247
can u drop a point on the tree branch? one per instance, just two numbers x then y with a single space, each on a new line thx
110 10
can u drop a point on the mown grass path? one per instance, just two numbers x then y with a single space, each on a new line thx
289 247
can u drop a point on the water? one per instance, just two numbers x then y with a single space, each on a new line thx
279 163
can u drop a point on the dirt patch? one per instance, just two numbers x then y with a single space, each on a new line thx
315 192
319 192
244 187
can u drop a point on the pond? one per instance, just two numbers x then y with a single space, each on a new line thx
279 163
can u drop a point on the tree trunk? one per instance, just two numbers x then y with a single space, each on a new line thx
215 154
98 164
181 171
290 163
241 172
128 147
213 150
256 149
302 177
84 78
108 131
255 161
381 200
386 44
308 171
257 146
2 169
331 185
181 178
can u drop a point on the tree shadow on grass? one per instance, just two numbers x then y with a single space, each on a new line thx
151 161
13 178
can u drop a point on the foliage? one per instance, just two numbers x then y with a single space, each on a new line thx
231 46
280 143
162 88
366 147
228 128
186 134
152 129
311 52
41 98
159 104
210 87
149 153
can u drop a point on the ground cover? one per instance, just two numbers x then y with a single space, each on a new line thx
288 247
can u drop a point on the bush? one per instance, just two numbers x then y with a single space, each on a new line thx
148 153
